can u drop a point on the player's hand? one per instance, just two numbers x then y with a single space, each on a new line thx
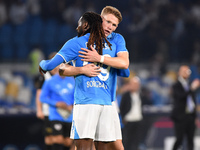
40 115
90 55
91 70
42 72
63 105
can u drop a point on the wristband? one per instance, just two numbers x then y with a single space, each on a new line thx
102 59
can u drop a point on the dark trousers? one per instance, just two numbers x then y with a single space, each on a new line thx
131 135
183 128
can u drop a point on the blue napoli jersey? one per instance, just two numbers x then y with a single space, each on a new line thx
118 39
93 90
58 89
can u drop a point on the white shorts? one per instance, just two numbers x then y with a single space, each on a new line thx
118 132
94 122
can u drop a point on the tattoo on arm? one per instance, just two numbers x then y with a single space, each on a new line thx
61 71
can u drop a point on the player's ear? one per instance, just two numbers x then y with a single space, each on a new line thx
86 26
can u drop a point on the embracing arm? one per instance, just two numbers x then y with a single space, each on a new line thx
48 65
89 70
119 62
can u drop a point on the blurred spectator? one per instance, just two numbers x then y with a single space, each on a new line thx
48 9
158 65
35 57
73 12
90 6
42 109
184 108
60 8
3 12
131 112
18 12
195 11
33 7
58 93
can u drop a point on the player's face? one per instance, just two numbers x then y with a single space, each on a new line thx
79 29
110 23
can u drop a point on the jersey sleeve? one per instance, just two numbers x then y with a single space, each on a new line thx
44 96
121 47
69 51
123 72
49 65
121 44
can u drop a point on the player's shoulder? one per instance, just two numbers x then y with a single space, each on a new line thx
116 36
84 37
72 40
79 39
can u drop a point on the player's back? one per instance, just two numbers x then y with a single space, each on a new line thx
89 90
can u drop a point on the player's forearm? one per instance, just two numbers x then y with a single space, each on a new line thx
38 102
49 65
116 62
70 71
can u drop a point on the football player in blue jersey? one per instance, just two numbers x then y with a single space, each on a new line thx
42 109
92 118
58 93
111 18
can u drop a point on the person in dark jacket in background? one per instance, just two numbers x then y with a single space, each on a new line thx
184 108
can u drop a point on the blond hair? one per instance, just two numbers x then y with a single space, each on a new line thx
112 10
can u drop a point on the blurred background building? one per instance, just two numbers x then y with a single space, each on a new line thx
160 36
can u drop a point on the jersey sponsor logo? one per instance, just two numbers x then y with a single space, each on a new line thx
58 127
